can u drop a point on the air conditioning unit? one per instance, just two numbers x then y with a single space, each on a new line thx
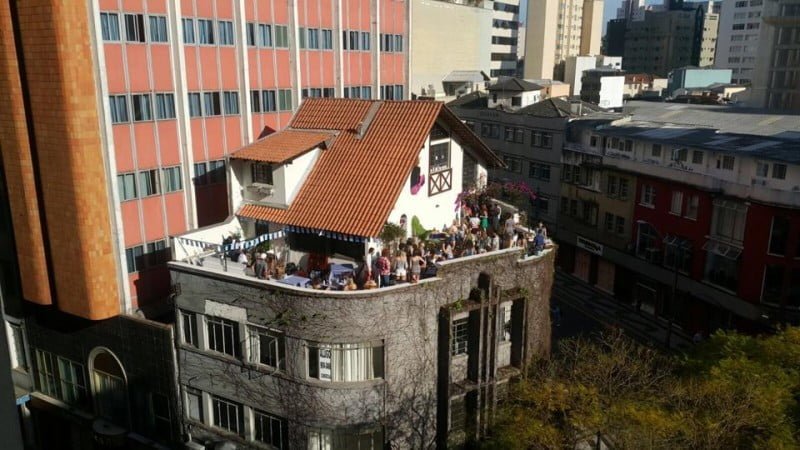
261 188
759 182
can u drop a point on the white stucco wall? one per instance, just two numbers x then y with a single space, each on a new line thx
437 210
611 91
286 179
446 37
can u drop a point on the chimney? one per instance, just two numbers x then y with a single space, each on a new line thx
575 107
364 125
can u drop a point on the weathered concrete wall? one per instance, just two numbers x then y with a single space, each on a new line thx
404 317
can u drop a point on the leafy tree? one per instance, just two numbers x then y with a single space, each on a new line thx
732 392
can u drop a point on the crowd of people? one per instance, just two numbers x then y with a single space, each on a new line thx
483 228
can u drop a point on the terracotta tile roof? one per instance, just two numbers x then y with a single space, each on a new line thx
356 182
330 114
282 146
265 213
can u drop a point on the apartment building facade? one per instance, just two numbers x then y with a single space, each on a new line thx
505 38
708 235
776 83
529 140
115 138
557 30
738 40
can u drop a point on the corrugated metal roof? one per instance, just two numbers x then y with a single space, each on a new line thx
282 146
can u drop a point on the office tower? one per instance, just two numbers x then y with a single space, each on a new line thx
629 9
668 39
119 119
557 30
776 81
737 42
505 28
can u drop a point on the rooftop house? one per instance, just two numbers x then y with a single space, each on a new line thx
282 363
514 93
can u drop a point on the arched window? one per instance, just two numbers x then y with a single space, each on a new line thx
109 387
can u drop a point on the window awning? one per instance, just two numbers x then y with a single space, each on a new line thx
722 249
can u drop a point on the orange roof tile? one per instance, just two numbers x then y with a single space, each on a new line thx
282 146
356 182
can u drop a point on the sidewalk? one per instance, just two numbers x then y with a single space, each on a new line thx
605 309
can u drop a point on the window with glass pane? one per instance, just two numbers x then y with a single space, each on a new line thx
223 336
281 36
460 336
779 236
327 39
264 35
268 101
109 26
648 197
165 106
779 171
205 31
440 156
262 173
126 185
266 347
46 373
133 256
216 171
270 429
773 284
189 328
73 382
676 206
158 29
345 362
195 109
225 32
366 92
19 359
157 253
365 40
255 101
250 34
328 92
227 415
692 205
722 271
172 179
302 35
697 157
728 220
678 250
134 27
148 182
398 43
231 100
118 105
188 31
313 38
285 99
211 104
353 39
200 174
194 404
141 107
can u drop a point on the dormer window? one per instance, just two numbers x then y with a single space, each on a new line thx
262 173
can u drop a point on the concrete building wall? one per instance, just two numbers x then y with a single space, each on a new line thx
412 323
775 83
662 41
445 37
540 38
592 26
737 41
573 71
505 37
